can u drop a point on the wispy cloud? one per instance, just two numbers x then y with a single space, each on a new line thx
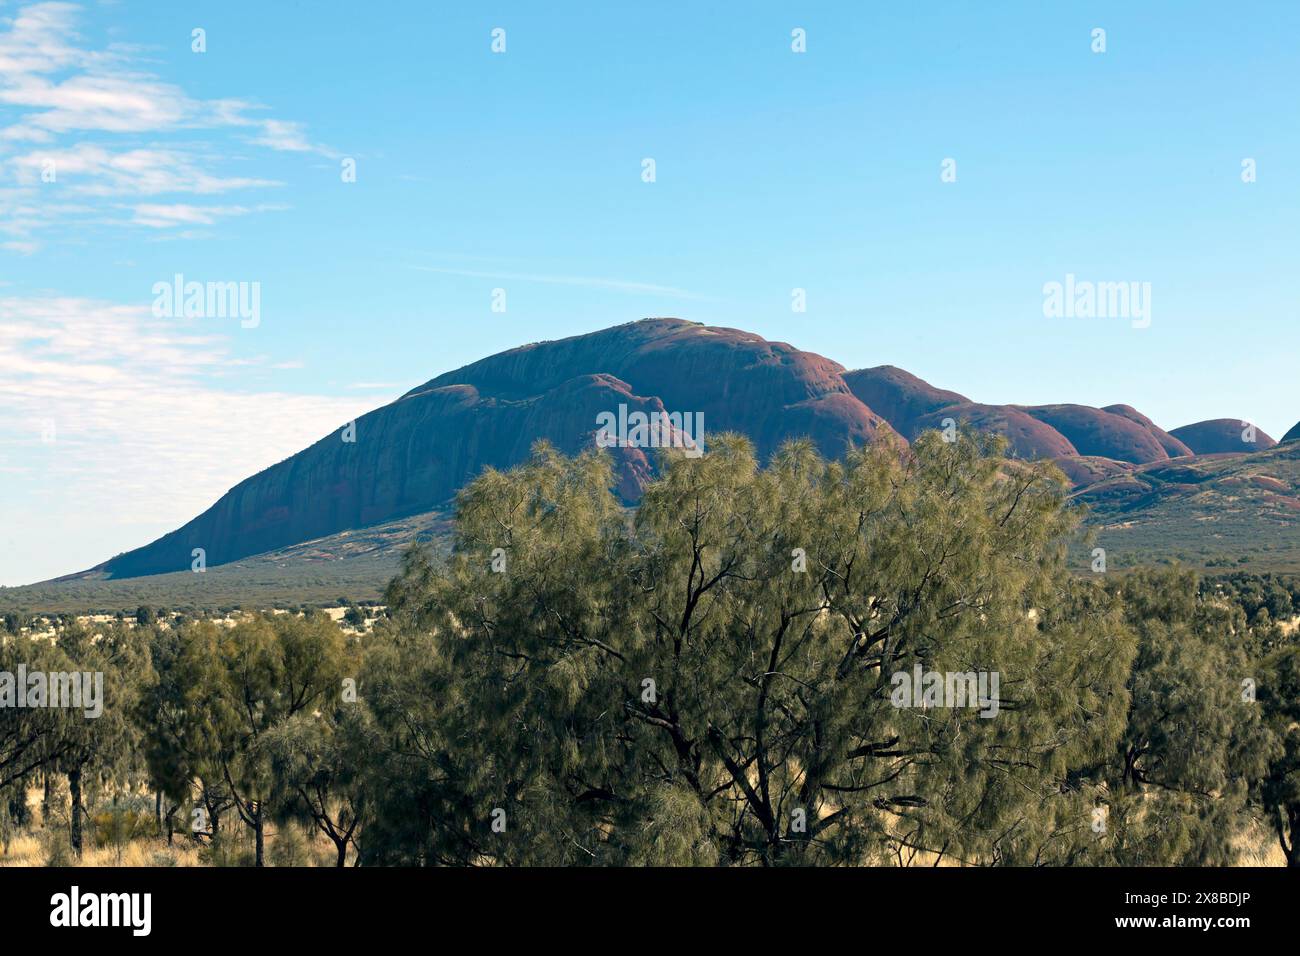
163 216
287 136
131 423
92 170
614 285
79 115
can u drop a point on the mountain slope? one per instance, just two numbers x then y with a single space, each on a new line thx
410 457
898 395
413 455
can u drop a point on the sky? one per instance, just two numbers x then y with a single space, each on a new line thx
375 171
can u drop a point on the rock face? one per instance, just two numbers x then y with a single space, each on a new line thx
739 381
1221 436
414 454
1172 446
901 397
1029 437
912 405
1099 433
1292 435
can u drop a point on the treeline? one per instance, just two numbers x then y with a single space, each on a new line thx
711 680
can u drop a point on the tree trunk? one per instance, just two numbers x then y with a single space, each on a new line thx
19 812
258 831
45 802
74 790
157 810
342 847
1293 852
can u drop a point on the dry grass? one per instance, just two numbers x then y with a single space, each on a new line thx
34 849
1258 846
295 847
288 847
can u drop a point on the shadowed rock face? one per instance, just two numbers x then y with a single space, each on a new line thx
1029 437
414 454
1292 435
912 405
901 397
1172 446
770 391
1221 436
1094 432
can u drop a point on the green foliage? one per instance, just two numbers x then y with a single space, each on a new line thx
707 680
120 825
770 736
1280 788
1179 781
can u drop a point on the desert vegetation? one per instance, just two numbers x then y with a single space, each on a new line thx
705 680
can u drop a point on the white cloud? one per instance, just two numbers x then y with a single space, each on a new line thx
37 40
93 170
57 87
283 135
129 103
148 431
160 216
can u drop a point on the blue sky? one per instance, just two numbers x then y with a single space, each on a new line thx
521 170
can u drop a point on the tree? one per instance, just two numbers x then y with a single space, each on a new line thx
177 717
320 758
712 681
30 738
1179 784
273 667
98 749
1280 787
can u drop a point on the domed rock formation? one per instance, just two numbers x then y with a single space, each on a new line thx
1220 436
1099 433
414 454
1029 437
1172 446
898 395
